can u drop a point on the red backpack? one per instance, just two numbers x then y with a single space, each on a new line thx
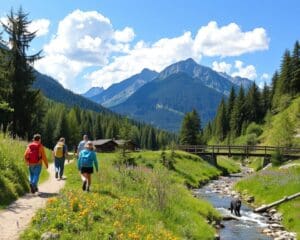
33 153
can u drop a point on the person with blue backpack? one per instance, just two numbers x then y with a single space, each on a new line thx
86 162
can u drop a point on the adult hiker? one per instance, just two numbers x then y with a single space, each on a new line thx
82 144
34 156
60 153
86 162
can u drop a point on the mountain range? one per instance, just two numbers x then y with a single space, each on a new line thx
120 92
163 98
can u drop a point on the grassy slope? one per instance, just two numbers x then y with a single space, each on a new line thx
272 134
273 184
134 203
13 170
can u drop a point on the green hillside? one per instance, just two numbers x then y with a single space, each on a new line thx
143 202
13 170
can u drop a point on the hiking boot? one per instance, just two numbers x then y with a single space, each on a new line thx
84 186
32 189
56 174
36 189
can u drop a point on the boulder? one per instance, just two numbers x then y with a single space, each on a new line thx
50 236
250 199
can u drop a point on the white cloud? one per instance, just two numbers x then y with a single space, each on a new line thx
248 71
83 39
41 26
229 40
156 56
88 39
126 35
265 76
221 67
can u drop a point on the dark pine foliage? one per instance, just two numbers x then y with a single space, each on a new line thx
254 105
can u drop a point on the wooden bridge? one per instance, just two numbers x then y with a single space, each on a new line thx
243 151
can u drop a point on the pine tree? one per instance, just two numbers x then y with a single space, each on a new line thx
265 100
295 65
221 122
190 128
20 73
285 76
252 105
275 91
238 114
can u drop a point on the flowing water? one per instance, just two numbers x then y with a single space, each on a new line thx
247 228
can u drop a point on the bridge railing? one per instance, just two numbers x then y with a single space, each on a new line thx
239 149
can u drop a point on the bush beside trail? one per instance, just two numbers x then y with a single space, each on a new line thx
13 170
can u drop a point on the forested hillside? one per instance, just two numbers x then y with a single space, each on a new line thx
244 116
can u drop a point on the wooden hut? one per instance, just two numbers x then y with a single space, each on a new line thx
105 145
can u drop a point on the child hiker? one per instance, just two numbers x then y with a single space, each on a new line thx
60 153
87 159
34 156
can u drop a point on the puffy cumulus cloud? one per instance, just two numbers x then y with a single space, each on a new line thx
248 71
83 39
229 40
82 36
88 39
221 67
61 68
126 35
41 26
154 56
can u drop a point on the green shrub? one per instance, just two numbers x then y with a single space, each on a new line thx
254 128
276 158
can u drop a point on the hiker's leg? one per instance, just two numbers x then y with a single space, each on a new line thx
89 181
36 174
61 167
56 165
84 179
31 174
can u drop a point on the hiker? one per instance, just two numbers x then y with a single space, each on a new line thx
235 206
60 153
34 156
82 144
87 159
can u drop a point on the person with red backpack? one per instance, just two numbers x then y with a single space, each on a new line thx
34 156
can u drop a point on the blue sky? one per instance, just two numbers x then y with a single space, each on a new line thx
97 43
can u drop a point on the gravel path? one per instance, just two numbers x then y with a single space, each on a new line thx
17 216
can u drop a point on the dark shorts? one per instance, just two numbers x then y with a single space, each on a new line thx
87 170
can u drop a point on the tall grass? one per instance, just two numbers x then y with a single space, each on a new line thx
147 201
13 170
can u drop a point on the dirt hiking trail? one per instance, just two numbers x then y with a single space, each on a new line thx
17 216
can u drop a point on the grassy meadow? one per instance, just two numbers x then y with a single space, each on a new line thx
273 184
147 201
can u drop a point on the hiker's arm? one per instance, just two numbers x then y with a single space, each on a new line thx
44 157
79 162
25 154
95 161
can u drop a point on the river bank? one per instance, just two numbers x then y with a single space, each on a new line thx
250 225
